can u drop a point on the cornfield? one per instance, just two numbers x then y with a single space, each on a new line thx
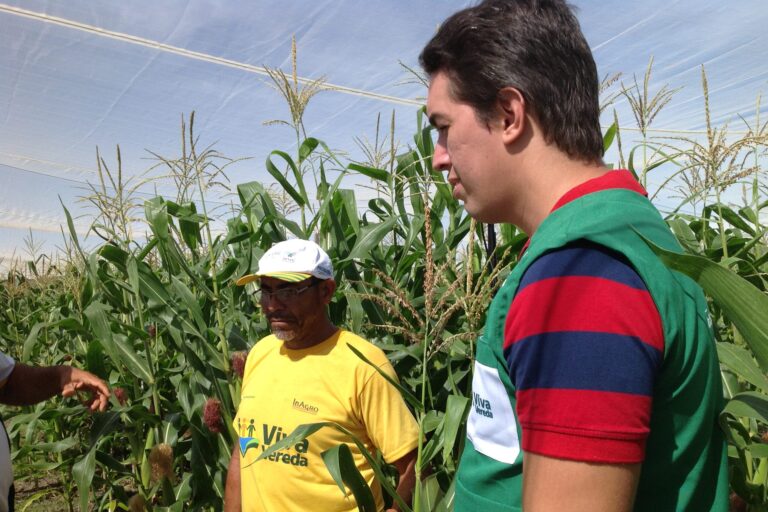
159 318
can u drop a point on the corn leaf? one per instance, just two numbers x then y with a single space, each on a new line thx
31 340
349 209
371 172
97 315
341 465
307 147
299 196
82 472
189 302
740 362
610 134
407 395
429 493
455 410
132 360
742 303
749 405
370 236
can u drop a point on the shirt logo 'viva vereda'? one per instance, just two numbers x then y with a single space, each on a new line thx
492 425
270 434
303 406
482 406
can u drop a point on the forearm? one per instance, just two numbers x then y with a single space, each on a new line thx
405 489
406 468
232 496
569 486
29 385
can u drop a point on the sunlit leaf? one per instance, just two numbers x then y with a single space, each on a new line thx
343 470
82 472
750 405
371 172
743 304
608 137
299 196
740 362
369 237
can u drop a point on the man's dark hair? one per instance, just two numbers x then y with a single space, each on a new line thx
535 46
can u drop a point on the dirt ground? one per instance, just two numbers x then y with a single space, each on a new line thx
41 495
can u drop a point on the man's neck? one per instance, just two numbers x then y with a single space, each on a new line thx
550 176
319 336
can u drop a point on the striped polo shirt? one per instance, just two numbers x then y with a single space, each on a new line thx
583 342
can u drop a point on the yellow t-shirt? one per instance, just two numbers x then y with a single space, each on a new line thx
284 388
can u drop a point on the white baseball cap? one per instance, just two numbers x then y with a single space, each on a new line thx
293 261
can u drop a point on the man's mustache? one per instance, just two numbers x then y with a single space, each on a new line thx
280 317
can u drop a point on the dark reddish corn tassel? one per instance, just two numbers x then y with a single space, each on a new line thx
212 415
238 363
121 394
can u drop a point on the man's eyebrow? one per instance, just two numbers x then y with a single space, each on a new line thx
277 286
435 118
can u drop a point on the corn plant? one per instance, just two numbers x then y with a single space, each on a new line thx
159 318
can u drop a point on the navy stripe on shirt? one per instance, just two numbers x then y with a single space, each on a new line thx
582 258
596 361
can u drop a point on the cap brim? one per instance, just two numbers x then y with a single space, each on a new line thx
291 277
246 279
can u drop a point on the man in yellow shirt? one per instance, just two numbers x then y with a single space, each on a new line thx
304 372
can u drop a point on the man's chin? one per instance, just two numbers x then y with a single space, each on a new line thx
284 335
485 215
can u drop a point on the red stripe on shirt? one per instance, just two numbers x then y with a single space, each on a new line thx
593 426
584 303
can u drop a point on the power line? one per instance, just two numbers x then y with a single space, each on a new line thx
260 70
671 131
149 43
86 184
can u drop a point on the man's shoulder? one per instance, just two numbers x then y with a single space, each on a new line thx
263 350
6 367
371 352
6 361
582 258
264 345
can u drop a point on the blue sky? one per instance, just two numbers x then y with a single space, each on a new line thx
79 74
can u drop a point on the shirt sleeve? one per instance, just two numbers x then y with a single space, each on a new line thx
389 423
584 343
6 367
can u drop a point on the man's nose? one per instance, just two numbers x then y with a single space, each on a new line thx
440 159
269 302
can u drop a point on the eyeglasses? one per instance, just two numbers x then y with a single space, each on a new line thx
281 294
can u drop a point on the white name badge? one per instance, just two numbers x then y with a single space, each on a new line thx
492 426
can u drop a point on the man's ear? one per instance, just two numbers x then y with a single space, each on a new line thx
511 103
327 288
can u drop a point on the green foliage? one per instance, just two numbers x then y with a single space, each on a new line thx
745 417
159 318
727 253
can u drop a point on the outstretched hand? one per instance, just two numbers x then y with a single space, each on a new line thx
75 381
